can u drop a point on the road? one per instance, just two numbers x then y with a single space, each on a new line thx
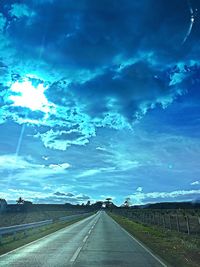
96 241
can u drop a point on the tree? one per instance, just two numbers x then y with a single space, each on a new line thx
88 203
20 201
108 202
127 202
98 205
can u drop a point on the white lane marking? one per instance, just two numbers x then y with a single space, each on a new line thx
85 238
139 243
37 240
74 257
92 227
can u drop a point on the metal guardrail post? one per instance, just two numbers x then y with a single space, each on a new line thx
170 223
164 222
177 223
187 224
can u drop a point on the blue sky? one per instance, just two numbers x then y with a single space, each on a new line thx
99 99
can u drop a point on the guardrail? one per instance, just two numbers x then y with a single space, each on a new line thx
75 216
23 227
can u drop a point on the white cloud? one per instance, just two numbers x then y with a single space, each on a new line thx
120 156
13 161
139 189
45 158
141 198
95 171
20 10
23 170
195 183
122 163
82 131
88 173
61 166
101 148
24 94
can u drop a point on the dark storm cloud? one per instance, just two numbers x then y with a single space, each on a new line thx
70 197
106 62
133 89
63 194
91 34
59 194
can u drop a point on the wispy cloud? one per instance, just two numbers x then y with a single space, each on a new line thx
140 197
25 172
101 148
13 162
139 189
88 173
195 183
61 166
20 11
93 172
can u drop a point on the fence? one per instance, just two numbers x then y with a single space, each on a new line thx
24 227
180 221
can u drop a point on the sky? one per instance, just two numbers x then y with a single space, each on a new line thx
100 99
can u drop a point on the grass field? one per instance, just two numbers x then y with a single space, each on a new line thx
178 249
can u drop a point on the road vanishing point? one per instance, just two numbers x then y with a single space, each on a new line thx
97 241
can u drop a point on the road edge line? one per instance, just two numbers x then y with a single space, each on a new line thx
142 245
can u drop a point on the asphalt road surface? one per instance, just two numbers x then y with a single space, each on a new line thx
96 241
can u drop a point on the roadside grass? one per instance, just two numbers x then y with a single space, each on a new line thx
15 218
177 249
10 242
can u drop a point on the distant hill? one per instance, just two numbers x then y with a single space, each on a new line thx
28 206
169 205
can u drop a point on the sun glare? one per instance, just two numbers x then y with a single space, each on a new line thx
28 96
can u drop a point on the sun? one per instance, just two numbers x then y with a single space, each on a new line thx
26 95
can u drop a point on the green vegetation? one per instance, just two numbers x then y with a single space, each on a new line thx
177 249
10 242
181 220
15 218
